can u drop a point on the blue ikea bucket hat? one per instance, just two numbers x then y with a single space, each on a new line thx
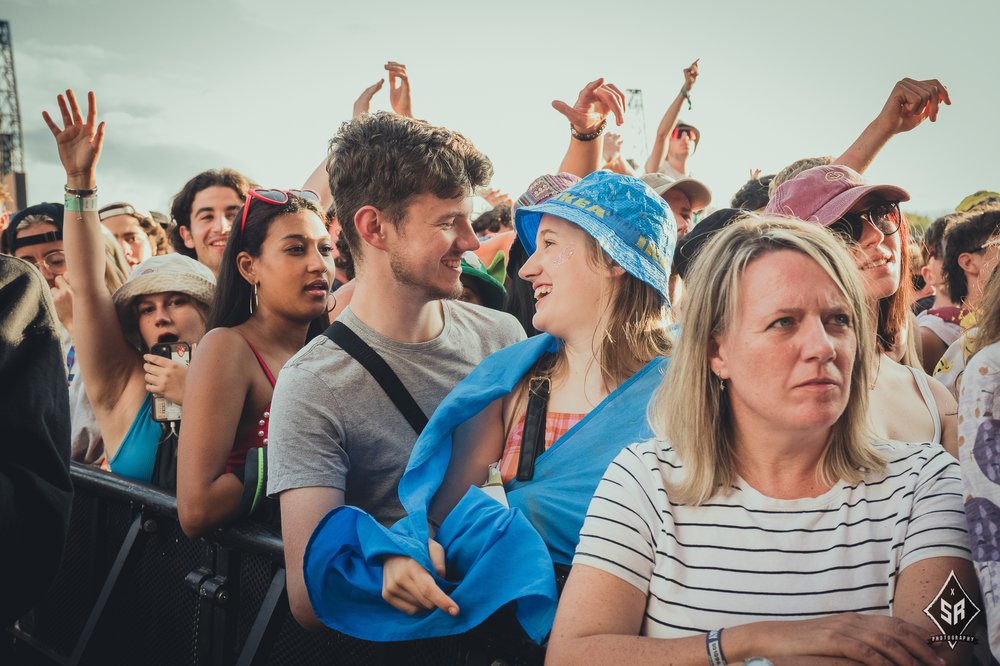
628 219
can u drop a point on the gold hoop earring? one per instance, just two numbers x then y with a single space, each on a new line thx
253 299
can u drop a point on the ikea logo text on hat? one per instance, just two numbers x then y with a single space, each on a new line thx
580 202
649 248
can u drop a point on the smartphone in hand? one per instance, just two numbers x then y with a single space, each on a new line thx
180 352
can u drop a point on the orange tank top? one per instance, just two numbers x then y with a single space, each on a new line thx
557 424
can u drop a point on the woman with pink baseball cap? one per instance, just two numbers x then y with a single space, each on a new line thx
907 405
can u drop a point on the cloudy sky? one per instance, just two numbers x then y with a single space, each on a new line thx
190 85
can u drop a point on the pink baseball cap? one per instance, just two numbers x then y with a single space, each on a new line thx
824 193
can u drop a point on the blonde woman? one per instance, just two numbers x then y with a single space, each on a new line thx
763 506
907 405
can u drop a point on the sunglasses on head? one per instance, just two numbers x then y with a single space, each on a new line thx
686 131
275 198
883 216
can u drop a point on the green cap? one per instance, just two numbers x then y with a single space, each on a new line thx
488 280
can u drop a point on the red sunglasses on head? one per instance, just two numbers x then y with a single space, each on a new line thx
274 197
690 131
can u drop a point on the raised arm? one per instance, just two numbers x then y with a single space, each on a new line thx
399 99
613 159
399 89
319 182
909 103
659 150
588 118
107 361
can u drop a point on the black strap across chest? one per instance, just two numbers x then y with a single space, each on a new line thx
376 366
535 416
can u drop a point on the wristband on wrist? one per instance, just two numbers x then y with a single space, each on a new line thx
713 646
591 135
81 204
687 95
80 193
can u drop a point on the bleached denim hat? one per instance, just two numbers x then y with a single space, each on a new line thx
630 221
162 273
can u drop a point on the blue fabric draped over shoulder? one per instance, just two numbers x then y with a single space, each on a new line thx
495 555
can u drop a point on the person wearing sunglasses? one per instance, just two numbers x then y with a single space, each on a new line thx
165 299
403 190
675 142
764 520
907 405
271 298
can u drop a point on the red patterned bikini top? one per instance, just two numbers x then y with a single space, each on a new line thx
237 456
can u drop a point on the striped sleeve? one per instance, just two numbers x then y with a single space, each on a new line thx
936 526
619 533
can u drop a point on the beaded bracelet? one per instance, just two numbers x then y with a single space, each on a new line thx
80 193
590 136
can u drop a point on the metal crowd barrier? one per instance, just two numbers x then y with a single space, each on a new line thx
132 589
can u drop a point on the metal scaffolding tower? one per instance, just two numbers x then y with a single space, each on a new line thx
635 146
11 143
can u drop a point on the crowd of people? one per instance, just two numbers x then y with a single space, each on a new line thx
602 421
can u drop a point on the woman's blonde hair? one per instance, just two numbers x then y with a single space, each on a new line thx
690 408
987 316
116 268
637 331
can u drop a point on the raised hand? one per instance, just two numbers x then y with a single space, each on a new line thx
596 101
495 196
399 89
612 146
691 74
910 102
363 103
79 141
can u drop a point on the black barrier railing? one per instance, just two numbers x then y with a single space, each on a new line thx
132 589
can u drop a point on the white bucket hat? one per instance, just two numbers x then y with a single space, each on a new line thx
166 272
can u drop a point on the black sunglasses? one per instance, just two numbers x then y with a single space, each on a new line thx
884 216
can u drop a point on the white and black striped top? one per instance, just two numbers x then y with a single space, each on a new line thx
744 557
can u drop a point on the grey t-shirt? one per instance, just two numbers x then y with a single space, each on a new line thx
333 426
